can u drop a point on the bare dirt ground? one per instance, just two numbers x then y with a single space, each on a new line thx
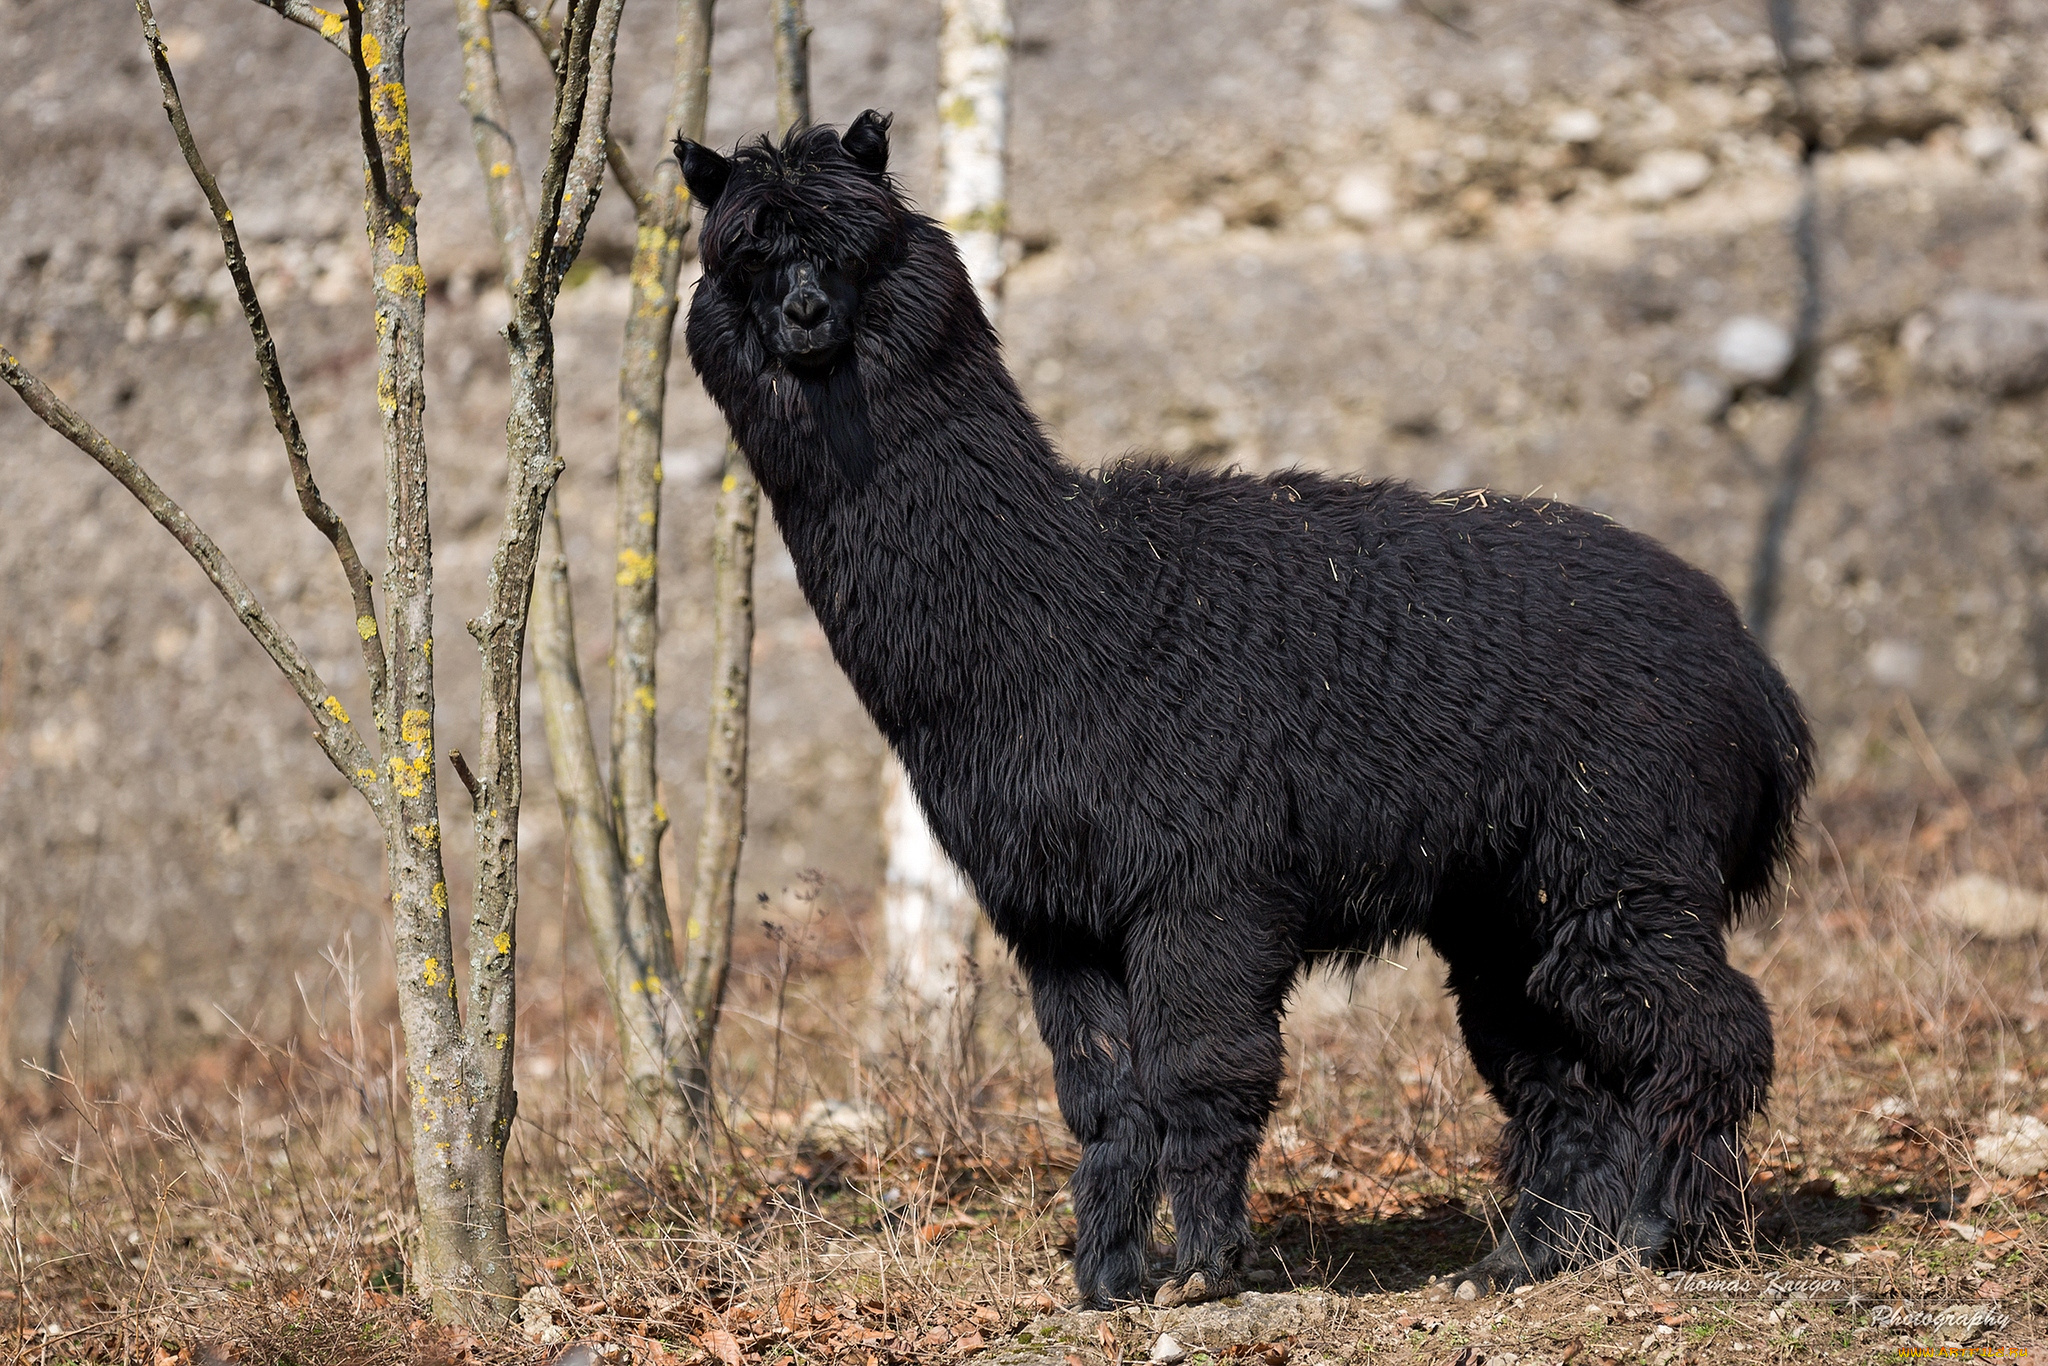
253 1208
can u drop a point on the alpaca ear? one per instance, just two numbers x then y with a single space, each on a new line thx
704 171
866 141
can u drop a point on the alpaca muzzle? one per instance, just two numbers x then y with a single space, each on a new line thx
805 306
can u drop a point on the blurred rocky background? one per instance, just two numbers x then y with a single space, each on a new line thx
1460 242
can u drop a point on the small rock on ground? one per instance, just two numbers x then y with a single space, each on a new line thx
2015 1145
1988 342
1989 907
1242 1320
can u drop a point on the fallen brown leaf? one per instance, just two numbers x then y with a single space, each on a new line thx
722 1345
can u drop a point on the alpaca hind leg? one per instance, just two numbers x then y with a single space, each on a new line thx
1563 1127
1711 1072
1209 1056
1083 1016
1676 1055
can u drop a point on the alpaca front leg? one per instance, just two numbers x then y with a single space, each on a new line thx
1083 1016
1209 1058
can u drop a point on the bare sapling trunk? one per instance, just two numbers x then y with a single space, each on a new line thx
615 826
1788 479
459 1065
707 954
931 924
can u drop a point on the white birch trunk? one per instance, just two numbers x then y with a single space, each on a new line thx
929 917
974 124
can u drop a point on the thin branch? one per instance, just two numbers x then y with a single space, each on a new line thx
662 222
586 164
792 65
1447 21
490 127
373 154
316 508
461 766
534 19
337 736
538 286
722 834
329 25
1794 464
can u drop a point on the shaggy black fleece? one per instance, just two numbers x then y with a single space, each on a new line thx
1191 733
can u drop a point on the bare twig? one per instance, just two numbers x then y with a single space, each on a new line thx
326 23
534 19
1793 465
337 736
1446 21
461 766
585 179
316 508
490 128
541 277
366 104
1924 750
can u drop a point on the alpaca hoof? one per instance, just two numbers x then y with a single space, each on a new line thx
1196 1288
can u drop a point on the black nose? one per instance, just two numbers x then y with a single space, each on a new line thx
806 306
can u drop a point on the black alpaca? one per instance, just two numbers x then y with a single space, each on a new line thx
1189 734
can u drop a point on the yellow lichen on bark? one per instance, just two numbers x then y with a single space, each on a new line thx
388 103
634 567
408 776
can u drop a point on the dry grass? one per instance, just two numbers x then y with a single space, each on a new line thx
252 1205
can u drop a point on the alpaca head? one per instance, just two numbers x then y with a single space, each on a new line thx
794 233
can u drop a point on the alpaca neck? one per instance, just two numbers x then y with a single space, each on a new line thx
919 570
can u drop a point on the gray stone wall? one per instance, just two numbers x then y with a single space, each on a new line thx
1531 246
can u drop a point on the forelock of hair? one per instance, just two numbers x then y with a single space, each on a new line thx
805 196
